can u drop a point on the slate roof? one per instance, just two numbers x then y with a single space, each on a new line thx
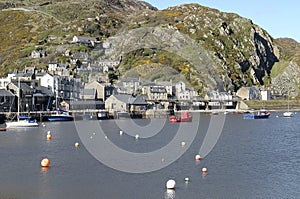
129 99
6 93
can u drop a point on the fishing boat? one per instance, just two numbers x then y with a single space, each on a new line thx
261 114
60 116
174 119
185 117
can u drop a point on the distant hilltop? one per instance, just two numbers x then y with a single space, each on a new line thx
209 49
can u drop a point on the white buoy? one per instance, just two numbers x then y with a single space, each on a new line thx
137 136
76 144
170 184
105 137
121 132
204 170
197 157
183 144
186 179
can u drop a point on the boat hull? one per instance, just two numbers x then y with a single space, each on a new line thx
58 118
288 114
21 124
265 115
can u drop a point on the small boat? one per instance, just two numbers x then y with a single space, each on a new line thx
186 117
174 119
60 116
103 115
262 114
23 121
288 114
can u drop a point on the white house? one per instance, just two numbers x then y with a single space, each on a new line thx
46 82
265 95
4 82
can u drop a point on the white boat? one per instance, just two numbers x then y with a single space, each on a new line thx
288 114
22 121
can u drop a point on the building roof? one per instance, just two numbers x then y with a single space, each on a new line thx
86 102
129 99
158 89
131 79
23 86
6 93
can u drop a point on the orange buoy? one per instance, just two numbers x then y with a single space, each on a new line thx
198 157
204 170
45 162
49 136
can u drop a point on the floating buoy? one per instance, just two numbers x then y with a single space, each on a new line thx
183 144
170 184
49 136
204 170
137 136
45 162
186 179
105 137
198 157
76 144
121 132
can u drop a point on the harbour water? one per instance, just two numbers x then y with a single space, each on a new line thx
252 159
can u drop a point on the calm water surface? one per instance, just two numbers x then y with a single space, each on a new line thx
252 159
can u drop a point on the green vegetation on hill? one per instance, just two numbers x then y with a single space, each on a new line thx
242 53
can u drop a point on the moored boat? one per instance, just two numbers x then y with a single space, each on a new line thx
262 114
22 121
288 114
174 119
60 116
186 117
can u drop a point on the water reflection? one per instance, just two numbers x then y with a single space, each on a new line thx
170 194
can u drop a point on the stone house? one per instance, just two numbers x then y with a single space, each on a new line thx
35 54
84 40
248 93
123 103
102 90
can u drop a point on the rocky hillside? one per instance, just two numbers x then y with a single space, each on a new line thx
207 48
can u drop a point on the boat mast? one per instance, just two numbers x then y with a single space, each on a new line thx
19 91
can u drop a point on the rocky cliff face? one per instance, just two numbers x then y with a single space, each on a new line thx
231 51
